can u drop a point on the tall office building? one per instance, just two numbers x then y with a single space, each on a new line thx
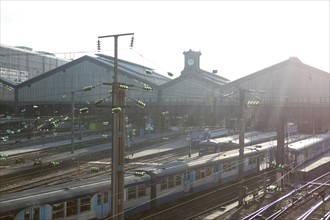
18 64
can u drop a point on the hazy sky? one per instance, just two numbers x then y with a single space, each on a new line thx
236 38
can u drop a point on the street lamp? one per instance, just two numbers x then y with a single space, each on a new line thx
165 117
86 88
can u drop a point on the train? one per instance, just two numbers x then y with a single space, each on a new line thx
197 136
152 185
229 141
221 144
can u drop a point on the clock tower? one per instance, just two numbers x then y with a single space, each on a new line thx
191 61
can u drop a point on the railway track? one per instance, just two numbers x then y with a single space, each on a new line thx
300 201
305 203
68 172
45 175
198 205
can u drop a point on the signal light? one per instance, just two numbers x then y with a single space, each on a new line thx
253 103
139 173
87 88
116 110
132 41
9 132
146 87
98 45
140 104
274 165
148 72
97 102
123 88
83 110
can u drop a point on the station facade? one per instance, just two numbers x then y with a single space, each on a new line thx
289 89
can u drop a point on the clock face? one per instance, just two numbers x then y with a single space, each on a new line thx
190 62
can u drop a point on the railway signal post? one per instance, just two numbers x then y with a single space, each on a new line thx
241 145
118 140
280 150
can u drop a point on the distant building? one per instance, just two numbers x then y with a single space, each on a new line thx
18 64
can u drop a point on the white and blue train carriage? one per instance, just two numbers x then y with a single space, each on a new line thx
305 150
222 144
178 179
89 200
86 201
156 184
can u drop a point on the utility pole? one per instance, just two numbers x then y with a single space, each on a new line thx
72 122
118 141
241 145
280 148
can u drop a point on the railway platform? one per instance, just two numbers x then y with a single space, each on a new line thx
54 144
313 168
148 149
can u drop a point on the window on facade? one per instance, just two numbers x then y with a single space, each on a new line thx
58 211
85 204
131 193
105 198
141 190
72 208
163 183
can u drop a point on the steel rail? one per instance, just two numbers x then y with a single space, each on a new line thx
259 211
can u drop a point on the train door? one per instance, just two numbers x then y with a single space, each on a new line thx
188 181
101 204
40 212
216 175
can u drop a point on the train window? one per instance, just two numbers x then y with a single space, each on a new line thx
35 215
252 160
229 166
72 208
141 190
131 193
178 180
105 197
203 172
85 204
58 211
187 175
199 175
208 171
171 182
27 214
306 153
163 183
99 197
7 217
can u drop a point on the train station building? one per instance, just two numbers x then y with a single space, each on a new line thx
289 89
